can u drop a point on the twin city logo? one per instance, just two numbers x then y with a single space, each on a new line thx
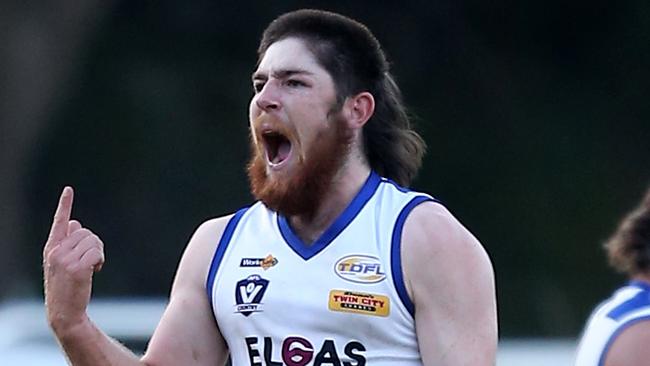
249 293
360 268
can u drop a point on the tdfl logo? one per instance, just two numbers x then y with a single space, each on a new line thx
360 268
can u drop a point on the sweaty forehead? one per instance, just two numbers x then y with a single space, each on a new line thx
289 54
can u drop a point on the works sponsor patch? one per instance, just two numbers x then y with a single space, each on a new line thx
359 303
266 262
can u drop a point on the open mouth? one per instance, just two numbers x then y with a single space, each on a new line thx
277 146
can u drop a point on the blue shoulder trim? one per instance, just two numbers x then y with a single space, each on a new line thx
406 189
396 256
639 300
612 338
221 250
397 186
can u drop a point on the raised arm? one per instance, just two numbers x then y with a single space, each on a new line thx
450 280
187 333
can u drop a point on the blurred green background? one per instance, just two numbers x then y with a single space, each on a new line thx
536 114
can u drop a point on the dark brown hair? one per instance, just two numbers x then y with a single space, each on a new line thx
628 249
354 59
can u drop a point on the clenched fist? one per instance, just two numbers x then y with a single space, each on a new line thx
71 254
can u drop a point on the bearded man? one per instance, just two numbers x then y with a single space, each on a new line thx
336 263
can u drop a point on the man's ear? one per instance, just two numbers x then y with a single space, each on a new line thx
360 108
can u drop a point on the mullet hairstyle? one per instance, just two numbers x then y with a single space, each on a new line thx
628 250
353 57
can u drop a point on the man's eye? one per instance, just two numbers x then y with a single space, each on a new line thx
257 87
295 83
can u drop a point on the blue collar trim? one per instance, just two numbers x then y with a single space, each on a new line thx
358 202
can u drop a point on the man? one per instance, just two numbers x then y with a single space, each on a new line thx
618 331
337 264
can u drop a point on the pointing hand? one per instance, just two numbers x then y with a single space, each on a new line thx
70 256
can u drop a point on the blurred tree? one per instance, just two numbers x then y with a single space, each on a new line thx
41 47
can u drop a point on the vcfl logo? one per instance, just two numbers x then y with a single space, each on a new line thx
249 293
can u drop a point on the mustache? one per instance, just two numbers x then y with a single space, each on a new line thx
266 121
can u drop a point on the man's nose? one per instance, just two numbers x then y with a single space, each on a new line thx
268 98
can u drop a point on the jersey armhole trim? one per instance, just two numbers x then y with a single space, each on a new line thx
221 250
612 338
395 252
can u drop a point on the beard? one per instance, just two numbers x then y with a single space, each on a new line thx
302 189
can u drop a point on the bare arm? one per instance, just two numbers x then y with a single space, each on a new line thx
450 280
186 335
631 346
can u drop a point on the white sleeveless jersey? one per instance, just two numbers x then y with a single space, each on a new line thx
628 305
340 301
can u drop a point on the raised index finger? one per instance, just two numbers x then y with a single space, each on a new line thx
59 228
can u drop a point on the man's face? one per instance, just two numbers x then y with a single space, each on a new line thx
299 141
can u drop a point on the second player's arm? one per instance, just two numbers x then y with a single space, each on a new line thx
631 346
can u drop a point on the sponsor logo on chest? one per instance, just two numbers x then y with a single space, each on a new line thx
359 303
265 263
360 268
249 293
299 351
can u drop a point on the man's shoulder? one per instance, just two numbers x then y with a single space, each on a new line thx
404 190
214 225
433 235
208 234
433 218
